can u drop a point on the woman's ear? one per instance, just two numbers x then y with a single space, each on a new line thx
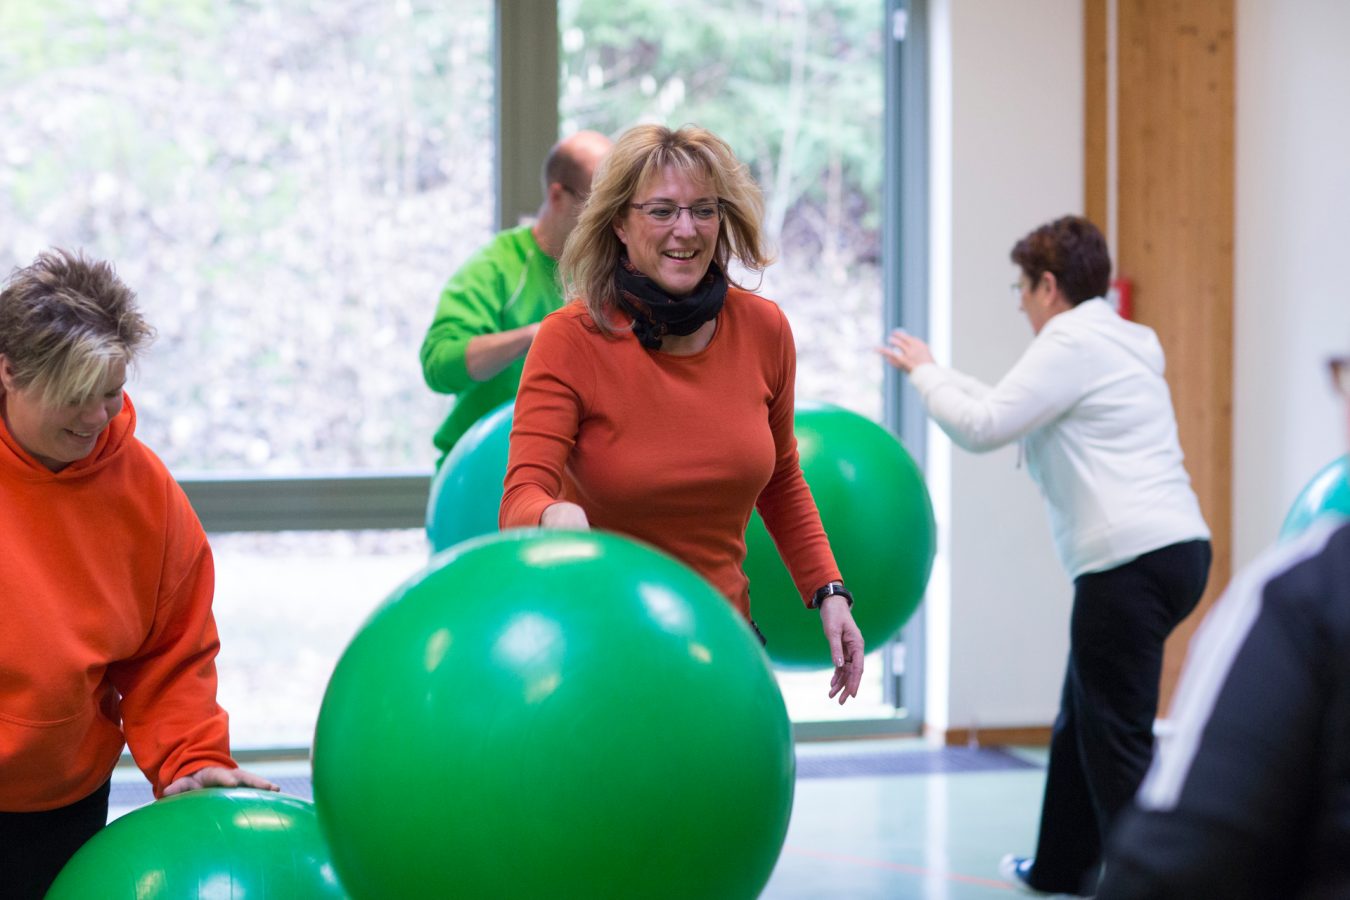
619 231
7 380
1050 281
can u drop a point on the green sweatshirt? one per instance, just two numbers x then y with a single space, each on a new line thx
508 284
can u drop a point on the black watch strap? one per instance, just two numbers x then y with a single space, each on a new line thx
834 587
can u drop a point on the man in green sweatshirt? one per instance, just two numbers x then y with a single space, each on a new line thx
490 309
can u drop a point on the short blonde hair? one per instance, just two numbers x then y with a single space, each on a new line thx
593 249
64 321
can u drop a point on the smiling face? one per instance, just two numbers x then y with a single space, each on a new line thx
57 436
674 253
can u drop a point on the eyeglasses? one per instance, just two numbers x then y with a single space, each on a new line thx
1340 374
581 196
663 213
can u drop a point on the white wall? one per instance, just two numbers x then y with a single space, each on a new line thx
1007 155
1292 285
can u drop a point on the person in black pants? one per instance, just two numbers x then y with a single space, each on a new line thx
34 846
1102 741
1092 411
1249 796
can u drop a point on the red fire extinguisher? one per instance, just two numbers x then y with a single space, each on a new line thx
1119 297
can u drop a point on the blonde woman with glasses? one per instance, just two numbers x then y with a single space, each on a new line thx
659 402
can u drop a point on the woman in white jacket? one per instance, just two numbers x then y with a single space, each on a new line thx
1090 406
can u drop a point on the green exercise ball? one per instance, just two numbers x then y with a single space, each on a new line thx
1327 494
467 491
875 508
554 714
216 842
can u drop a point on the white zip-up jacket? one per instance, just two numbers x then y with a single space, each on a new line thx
1089 402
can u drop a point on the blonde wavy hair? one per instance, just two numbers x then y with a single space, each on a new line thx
593 249
64 321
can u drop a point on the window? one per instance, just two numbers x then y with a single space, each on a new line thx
285 183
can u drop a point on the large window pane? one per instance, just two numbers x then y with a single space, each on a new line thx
287 605
286 183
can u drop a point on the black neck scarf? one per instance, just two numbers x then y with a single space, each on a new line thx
656 313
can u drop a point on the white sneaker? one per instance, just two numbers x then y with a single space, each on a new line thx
1016 870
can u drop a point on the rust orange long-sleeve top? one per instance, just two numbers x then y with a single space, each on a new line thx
673 450
106 630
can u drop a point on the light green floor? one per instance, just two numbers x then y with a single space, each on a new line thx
936 837
927 837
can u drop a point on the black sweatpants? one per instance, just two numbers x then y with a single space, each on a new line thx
1102 741
35 845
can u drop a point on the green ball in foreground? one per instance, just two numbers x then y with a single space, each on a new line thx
876 511
467 491
554 714
1327 494
205 844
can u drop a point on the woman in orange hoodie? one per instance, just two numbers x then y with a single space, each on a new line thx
106 580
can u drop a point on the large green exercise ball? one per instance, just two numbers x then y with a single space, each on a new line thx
876 511
1327 494
467 491
205 844
554 714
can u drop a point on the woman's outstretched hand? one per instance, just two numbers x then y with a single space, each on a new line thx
905 352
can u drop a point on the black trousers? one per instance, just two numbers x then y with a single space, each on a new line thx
1102 740
35 845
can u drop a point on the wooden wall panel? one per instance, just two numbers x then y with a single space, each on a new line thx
1095 106
1175 234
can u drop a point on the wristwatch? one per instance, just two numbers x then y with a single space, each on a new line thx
834 587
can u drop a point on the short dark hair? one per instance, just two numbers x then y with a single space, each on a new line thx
1074 250
64 320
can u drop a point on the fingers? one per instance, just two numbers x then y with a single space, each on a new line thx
183 785
219 776
855 668
895 359
848 677
248 779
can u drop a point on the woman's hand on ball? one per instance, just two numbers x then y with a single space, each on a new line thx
565 515
218 776
846 647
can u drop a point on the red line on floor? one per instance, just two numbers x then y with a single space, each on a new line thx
898 867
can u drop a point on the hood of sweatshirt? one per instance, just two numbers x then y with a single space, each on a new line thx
16 461
1097 317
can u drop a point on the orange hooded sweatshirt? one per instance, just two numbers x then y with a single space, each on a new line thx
106 632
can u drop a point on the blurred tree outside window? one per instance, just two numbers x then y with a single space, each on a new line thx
285 183
795 87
